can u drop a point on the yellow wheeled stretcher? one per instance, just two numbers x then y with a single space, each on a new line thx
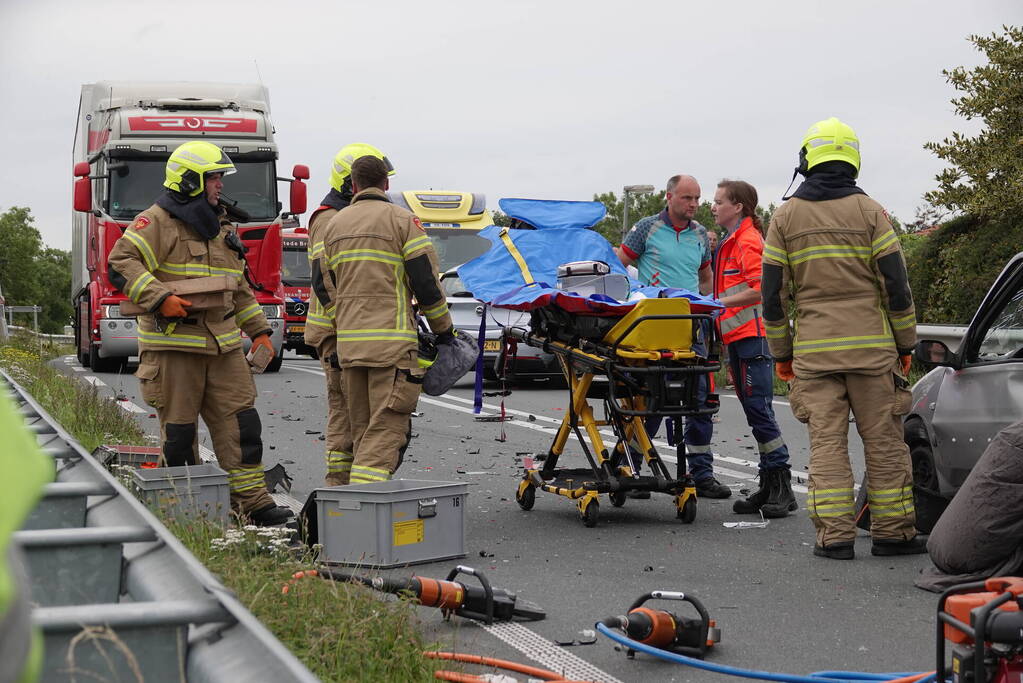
651 369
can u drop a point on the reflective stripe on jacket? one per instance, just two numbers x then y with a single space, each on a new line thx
319 320
736 269
366 247
158 248
827 252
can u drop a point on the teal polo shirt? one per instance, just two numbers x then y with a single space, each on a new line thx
666 256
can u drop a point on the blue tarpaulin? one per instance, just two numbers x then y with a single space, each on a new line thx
551 213
496 278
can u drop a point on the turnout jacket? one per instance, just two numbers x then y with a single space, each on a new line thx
319 320
379 256
158 248
737 268
841 262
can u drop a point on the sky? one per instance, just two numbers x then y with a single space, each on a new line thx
554 99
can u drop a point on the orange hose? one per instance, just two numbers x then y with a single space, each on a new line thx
457 677
499 663
911 679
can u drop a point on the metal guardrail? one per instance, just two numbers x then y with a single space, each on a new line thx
952 335
111 563
63 338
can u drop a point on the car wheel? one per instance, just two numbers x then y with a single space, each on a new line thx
927 500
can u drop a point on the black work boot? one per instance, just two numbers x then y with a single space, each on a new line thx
712 488
751 504
780 499
836 551
271 515
894 546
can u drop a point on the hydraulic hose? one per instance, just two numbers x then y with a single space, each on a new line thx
533 671
731 670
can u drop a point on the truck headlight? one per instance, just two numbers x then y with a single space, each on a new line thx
273 311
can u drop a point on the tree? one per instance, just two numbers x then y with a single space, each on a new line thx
31 274
986 170
640 205
501 219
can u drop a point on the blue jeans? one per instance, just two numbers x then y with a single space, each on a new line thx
753 373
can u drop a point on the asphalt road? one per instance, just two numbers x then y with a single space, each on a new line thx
779 608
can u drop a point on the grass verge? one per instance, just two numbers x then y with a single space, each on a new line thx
87 416
341 632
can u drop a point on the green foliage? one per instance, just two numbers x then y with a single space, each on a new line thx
32 274
640 205
952 268
501 219
985 171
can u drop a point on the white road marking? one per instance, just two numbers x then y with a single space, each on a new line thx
95 381
750 475
546 653
131 407
78 368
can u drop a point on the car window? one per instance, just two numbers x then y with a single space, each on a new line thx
455 246
1004 338
453 286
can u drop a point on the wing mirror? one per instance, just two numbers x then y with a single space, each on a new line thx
82 195
932 353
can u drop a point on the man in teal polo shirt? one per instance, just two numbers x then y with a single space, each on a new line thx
672 250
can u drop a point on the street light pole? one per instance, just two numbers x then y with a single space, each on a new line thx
626 191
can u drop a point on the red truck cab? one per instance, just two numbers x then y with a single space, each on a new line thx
297 281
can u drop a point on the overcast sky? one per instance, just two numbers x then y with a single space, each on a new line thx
552 99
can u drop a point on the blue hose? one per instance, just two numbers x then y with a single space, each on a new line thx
743 673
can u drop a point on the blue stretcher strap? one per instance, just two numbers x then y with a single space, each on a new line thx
477 397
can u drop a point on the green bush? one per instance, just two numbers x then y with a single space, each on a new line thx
952 268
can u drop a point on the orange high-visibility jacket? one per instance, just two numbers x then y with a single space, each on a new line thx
737 268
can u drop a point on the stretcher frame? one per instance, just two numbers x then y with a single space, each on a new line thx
641 382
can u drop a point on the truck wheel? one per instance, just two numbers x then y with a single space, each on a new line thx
99 364
275 364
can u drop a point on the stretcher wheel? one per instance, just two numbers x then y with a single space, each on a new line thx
591 514
688 512
617 498
527 498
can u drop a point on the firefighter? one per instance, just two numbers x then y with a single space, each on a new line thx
379 257
737 268
833 249
24 470
320 332
191 363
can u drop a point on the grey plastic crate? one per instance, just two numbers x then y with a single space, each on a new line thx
188 490
391 523
127 455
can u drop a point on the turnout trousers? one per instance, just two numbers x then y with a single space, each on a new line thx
877 404
339 451
753 373
380 405
183 386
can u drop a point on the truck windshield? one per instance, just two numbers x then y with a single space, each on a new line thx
135 184
295 268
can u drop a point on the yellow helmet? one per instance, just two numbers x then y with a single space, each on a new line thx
829 140
189 163
343 160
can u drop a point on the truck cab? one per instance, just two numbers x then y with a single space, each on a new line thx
296 278
126 131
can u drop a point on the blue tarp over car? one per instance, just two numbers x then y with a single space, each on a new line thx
554 213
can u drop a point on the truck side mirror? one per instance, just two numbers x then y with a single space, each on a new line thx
82 169
83 194
932 353
301 171
298 194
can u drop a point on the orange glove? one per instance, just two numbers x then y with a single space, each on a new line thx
906 361
174 307
264 340
784 370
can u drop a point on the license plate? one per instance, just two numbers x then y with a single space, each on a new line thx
296 328
492 345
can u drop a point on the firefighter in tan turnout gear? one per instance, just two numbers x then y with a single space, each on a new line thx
320 332
191 362
834 249
379 257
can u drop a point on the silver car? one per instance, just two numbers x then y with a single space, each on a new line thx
969 396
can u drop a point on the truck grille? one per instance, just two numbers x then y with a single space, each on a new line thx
298 308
